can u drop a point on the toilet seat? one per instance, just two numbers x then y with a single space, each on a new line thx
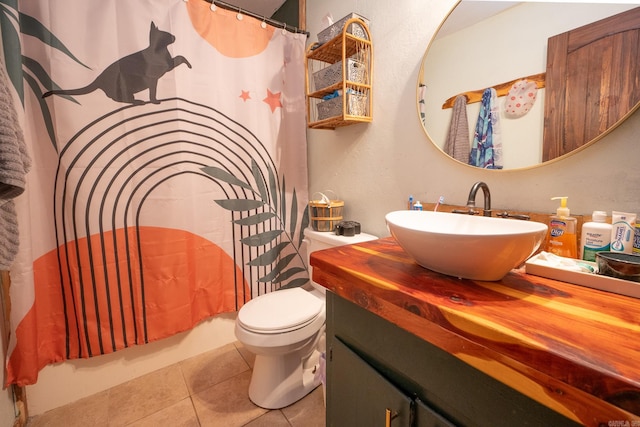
280 311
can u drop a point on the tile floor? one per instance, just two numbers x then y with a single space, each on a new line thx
206 390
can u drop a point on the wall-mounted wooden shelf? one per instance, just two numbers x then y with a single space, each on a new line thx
342 65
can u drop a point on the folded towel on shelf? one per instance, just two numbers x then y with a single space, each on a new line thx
14 165
457 142
486 149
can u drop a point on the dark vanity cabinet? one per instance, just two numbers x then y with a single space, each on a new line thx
381 375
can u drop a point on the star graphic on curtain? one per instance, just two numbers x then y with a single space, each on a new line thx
273 99
245 95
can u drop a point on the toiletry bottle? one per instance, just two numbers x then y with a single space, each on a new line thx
410 203
596 236
623 226
562 232
417 206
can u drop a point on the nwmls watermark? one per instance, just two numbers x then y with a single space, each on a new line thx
624 423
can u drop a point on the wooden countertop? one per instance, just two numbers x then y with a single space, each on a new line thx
571 348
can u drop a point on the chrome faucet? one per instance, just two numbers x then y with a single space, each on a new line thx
471 201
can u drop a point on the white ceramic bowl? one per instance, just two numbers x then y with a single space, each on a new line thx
465 246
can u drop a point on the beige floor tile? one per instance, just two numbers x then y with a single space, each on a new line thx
162 398
227 403
211 368
270 419
90 411
308 411
146 395
182 414
249 357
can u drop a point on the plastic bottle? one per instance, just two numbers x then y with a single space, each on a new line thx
596 236
623 226
417 206
562 232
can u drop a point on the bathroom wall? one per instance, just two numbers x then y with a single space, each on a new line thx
7 408
374 167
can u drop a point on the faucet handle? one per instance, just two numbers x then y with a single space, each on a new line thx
469 211
506 214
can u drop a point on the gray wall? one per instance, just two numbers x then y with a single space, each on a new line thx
288 13
374 167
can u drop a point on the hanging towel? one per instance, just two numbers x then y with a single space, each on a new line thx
422 93
14 165
486 150
457 143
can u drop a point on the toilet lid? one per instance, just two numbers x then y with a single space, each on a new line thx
279 311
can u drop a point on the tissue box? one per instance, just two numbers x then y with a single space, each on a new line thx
356 106
333 74
335 29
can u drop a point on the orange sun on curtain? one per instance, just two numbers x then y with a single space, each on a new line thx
220 29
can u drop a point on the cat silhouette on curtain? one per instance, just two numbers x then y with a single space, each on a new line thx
134 73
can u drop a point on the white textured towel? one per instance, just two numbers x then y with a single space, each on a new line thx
14 165
458 143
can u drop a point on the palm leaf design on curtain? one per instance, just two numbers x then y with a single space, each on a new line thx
21 67
268 201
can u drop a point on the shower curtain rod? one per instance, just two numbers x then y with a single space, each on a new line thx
269 21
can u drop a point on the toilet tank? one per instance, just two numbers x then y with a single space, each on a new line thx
318 240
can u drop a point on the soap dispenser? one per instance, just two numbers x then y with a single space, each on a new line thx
562 239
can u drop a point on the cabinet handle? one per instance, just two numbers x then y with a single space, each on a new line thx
388 416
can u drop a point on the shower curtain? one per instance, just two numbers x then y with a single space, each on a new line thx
169 176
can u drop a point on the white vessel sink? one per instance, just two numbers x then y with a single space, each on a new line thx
465 246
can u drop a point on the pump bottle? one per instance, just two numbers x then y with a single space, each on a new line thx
562 239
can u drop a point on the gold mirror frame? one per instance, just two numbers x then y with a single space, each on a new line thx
472 118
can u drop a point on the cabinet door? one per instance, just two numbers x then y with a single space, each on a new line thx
427 417
359 396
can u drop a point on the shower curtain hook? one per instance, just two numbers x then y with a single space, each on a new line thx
284 29
239 15
264 23
213 6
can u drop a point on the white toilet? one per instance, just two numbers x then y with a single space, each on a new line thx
285 329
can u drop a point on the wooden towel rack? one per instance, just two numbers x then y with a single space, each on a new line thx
502 89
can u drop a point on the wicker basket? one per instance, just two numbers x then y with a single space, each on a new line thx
355 72
356 106
325 213
336 28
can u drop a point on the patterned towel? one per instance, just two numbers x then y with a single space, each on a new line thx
14 165
457 143
486 150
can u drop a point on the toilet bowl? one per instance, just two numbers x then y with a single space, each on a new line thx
285 329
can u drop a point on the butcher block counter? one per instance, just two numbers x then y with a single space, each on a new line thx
569 349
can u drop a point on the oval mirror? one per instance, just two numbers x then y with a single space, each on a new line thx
528 50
